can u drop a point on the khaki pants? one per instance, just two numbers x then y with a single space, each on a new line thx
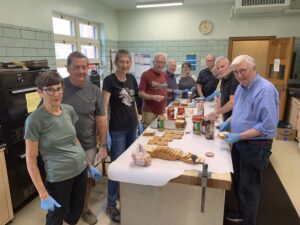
147 118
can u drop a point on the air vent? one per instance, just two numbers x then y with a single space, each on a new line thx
262 2
260 6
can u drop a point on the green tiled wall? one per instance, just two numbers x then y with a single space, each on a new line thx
179 49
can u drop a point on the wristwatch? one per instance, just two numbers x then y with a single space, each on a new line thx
103 145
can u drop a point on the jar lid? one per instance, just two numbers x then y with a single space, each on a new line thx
197 118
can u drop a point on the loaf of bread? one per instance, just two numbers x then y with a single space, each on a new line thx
168 153
179 123
141 157
175 103
149 133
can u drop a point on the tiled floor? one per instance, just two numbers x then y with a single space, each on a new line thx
32 214
285 159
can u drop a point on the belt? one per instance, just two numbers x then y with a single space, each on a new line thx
258 141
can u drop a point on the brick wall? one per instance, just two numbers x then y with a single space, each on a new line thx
21 43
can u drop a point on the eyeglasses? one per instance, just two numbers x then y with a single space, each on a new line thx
241 71
51 91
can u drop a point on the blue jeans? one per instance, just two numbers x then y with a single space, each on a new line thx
120 141
249 159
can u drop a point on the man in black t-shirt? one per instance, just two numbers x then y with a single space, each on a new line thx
228 86
207 83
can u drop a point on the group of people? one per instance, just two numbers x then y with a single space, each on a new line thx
69 128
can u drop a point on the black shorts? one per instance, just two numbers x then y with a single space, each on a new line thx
70 194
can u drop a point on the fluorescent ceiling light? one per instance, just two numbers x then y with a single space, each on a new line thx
162 4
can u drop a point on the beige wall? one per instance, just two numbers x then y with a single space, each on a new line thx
181 23
38 13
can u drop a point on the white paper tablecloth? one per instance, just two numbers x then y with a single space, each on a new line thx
161 171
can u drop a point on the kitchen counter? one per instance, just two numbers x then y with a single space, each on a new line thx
158 195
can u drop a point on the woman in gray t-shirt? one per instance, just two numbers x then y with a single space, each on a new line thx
50 131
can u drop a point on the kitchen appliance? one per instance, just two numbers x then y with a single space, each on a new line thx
14 85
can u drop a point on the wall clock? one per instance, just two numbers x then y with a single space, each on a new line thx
205 27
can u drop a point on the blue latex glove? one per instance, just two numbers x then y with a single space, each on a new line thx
225 125
232 137
177 92
212 96
140 128
193 89
94 173
108 140
185 91
49 204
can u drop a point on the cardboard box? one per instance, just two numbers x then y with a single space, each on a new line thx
286 134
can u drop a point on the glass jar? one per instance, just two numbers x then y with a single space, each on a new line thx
181 110
200 106
205 122
171 113
190 96
210 130
197 122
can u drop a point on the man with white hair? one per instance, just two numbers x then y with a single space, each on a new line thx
228 86
253 127
153 90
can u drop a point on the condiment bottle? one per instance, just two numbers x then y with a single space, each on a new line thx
190 96
181 110
171 113
197 121
161 123
200 106
205 122
210 130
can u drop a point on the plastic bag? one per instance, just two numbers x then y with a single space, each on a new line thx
141 157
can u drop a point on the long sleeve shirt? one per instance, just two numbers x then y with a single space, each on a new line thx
256 106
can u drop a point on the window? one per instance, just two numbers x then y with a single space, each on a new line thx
87 31
75 34
192 60
89 51
63 26
63 50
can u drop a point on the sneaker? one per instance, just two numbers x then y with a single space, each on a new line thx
89 217
113 213
234 217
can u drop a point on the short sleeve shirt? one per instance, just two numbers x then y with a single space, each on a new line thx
123 115
87 102
228 87
207 81
63 156
154 83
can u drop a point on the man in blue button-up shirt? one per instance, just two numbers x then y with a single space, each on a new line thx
253 126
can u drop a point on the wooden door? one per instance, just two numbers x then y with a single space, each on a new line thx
257 47
280 49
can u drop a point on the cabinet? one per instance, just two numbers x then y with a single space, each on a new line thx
293 114
6 212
